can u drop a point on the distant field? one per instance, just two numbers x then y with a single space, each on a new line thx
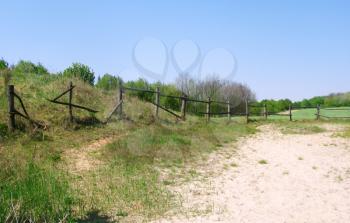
309 114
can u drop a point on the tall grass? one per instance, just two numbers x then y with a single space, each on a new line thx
37 185
34 195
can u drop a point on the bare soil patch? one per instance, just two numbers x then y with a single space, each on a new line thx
82 159
272 177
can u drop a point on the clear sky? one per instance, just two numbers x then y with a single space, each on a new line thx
282 49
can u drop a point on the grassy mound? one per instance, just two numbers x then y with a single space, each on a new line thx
38 184
36 89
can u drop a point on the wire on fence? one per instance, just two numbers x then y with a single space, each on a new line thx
172 96
336 109
167 110
277 114
303 107
256 106
344 117
257 113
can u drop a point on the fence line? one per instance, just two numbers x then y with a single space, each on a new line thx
118 108
70 104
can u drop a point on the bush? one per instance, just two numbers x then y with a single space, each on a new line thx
27 67
108 82
3 64
141 84
81 71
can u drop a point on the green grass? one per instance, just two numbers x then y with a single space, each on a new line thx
309 114
304 114
37 182
336 113
35 195
300 128
345 133
134 160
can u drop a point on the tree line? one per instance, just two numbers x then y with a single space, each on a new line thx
185 85
213 87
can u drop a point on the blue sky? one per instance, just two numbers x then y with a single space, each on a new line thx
282 49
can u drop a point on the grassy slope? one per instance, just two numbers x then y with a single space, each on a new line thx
36 183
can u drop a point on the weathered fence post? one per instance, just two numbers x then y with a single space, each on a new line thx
318 112
208 109
70 101
157 102
11 108
247 111
265 111
120 100
183 107
228 110
290 113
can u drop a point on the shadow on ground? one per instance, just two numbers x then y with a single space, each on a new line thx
96 217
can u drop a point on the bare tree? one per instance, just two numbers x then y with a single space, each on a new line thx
216 89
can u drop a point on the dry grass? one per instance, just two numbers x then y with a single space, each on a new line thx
124 181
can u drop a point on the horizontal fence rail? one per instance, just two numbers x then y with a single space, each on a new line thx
185 104
304 107
336 109
335 117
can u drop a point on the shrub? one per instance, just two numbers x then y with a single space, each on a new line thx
3 64
141 84
27 67
81 71
109 82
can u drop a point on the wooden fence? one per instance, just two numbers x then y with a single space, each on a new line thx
11 96
70 104
185 100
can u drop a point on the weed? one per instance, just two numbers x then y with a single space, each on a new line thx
234 164
262 162
300 128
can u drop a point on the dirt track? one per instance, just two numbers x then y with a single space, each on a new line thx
306 179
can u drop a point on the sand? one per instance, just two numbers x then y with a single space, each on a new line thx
306 178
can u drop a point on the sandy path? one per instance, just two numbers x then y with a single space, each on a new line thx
84 159
306 179
81 159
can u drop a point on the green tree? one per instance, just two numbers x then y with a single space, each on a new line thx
108 82
5 72
305 103
40 69
168 89
141 84
81 71
316 101
3 64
